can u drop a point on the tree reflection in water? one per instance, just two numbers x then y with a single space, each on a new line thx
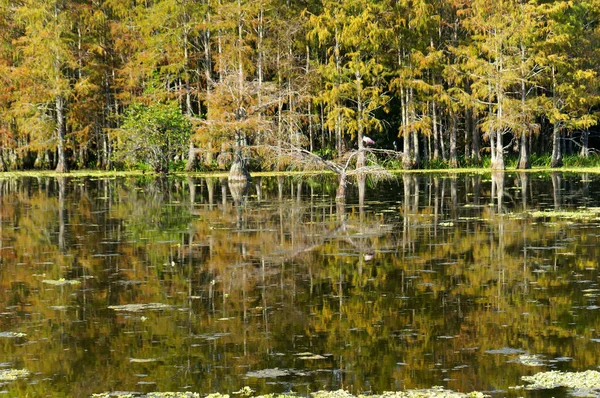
427 280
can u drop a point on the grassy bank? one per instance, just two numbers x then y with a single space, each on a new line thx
539 164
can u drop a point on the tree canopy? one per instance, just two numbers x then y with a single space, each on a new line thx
437 81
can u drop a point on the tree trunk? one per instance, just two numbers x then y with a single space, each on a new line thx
416 153
360 161
523 150
309 105
407 162
416 150
585 150
453 159
192 159
556 146
238 173
475 137
61 165
556 130
340 194
208 159
434 130
467 135
338 124
443 151
259 65
498 162
523 153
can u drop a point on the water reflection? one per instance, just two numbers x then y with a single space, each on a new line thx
192 284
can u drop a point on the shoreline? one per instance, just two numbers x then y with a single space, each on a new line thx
221 174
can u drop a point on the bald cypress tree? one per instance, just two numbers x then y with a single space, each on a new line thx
45 74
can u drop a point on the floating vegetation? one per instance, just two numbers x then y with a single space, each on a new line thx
584 384
434 392
61 282
140 307
309 355
212 336
13 374
245 392
12 335
269 373
505 351
582 214
126 394
142 360
529 360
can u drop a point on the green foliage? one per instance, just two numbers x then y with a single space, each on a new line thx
156 135
326 153
310 74
543 160
593 160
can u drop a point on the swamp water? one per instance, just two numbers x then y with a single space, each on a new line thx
135 284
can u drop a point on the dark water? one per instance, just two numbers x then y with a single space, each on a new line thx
451 281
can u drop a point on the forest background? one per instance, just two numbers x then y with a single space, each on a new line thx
167 84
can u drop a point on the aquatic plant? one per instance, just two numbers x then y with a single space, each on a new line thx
588 213
61 282
585 383
434 392
13 374
139 307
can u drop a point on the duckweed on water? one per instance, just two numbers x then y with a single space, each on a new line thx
581 214
13 374
61 282
585 383
434 392
122 394
12 335
139 307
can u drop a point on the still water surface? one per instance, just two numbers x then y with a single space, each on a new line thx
140 284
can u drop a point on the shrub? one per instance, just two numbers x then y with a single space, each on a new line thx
156 135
